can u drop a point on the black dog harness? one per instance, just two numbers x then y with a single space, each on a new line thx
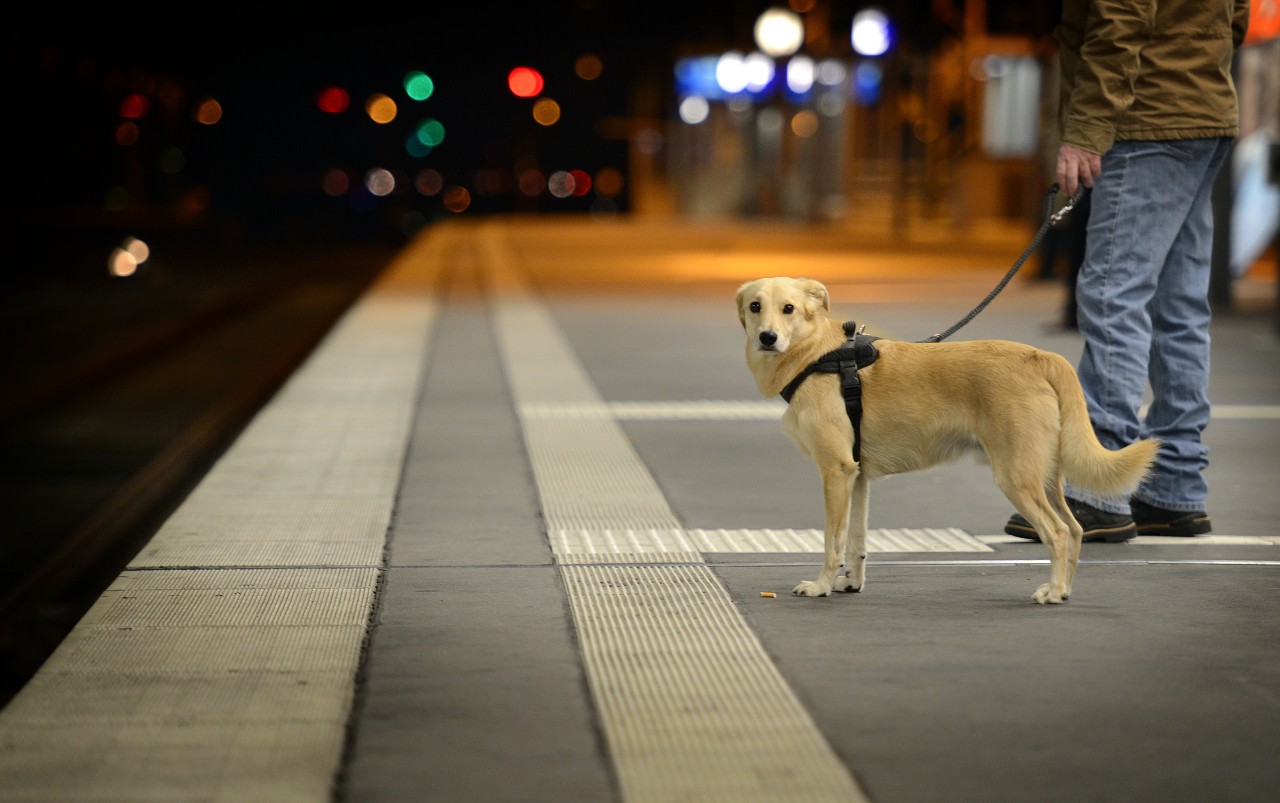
857 352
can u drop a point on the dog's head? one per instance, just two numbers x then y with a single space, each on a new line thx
780 311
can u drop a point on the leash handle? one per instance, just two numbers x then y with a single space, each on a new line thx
1051 219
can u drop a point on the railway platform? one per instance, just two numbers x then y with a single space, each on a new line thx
508 534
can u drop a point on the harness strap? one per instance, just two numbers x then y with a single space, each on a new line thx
857 352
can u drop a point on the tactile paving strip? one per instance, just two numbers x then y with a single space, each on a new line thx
691 706
222 664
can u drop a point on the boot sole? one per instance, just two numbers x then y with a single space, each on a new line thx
1109 535
1180 528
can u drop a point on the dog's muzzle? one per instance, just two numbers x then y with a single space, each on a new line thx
768 340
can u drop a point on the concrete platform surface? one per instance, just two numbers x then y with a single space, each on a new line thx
505 537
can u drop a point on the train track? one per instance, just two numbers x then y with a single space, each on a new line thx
117 413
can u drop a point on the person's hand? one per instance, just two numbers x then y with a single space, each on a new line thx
1077 166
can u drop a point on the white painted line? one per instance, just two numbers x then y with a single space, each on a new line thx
1252 412
772 409
810 540
1162 540
690 704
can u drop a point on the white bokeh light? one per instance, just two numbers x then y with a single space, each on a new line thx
731 72
800 74
870 34
379 181
694 109
779 32
760 71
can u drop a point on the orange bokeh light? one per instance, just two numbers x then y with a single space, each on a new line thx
208 112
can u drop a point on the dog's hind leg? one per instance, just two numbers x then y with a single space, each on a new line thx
1026 491
837 480
855 552
1075 533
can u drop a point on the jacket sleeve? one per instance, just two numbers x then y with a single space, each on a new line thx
1240 22
1110 44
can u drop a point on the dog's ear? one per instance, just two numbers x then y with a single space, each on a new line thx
818 292
740 298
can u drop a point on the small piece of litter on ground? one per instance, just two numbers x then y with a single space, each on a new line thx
768 594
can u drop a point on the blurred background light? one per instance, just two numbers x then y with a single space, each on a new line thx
800 74
769 122
380 108
779 32
560 184
867 81
871 35
609 182
760 72
430 132
546 111
831 72
136 248
208 112
414 146
418 85
335 182
525 82
694 109
380 182
588 67
429 182
581 182
333 99
532 182
457 200
121 263
697 76
731 72
126 133
134 106
804 124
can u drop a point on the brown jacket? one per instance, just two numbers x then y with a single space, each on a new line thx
1148 70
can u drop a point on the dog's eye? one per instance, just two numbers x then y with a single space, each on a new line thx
755 306
788 309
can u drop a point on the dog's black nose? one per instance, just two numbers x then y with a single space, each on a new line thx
768 338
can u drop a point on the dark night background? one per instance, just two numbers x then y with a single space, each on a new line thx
256 174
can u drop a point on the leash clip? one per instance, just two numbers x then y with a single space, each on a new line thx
1058 216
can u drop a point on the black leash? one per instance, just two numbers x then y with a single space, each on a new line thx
1051 219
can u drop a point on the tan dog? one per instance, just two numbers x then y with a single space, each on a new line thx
925 404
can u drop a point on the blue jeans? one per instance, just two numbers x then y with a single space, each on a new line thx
1143 308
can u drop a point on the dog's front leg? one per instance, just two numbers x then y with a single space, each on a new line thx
855 554
836 489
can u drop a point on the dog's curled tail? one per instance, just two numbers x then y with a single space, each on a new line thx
1084 461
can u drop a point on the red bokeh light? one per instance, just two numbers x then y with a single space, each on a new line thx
333 99
134 106
525 82
581 182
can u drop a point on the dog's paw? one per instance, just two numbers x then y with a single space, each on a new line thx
810 588
1045 596
846 585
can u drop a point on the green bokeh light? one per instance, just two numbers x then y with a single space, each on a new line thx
418 85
